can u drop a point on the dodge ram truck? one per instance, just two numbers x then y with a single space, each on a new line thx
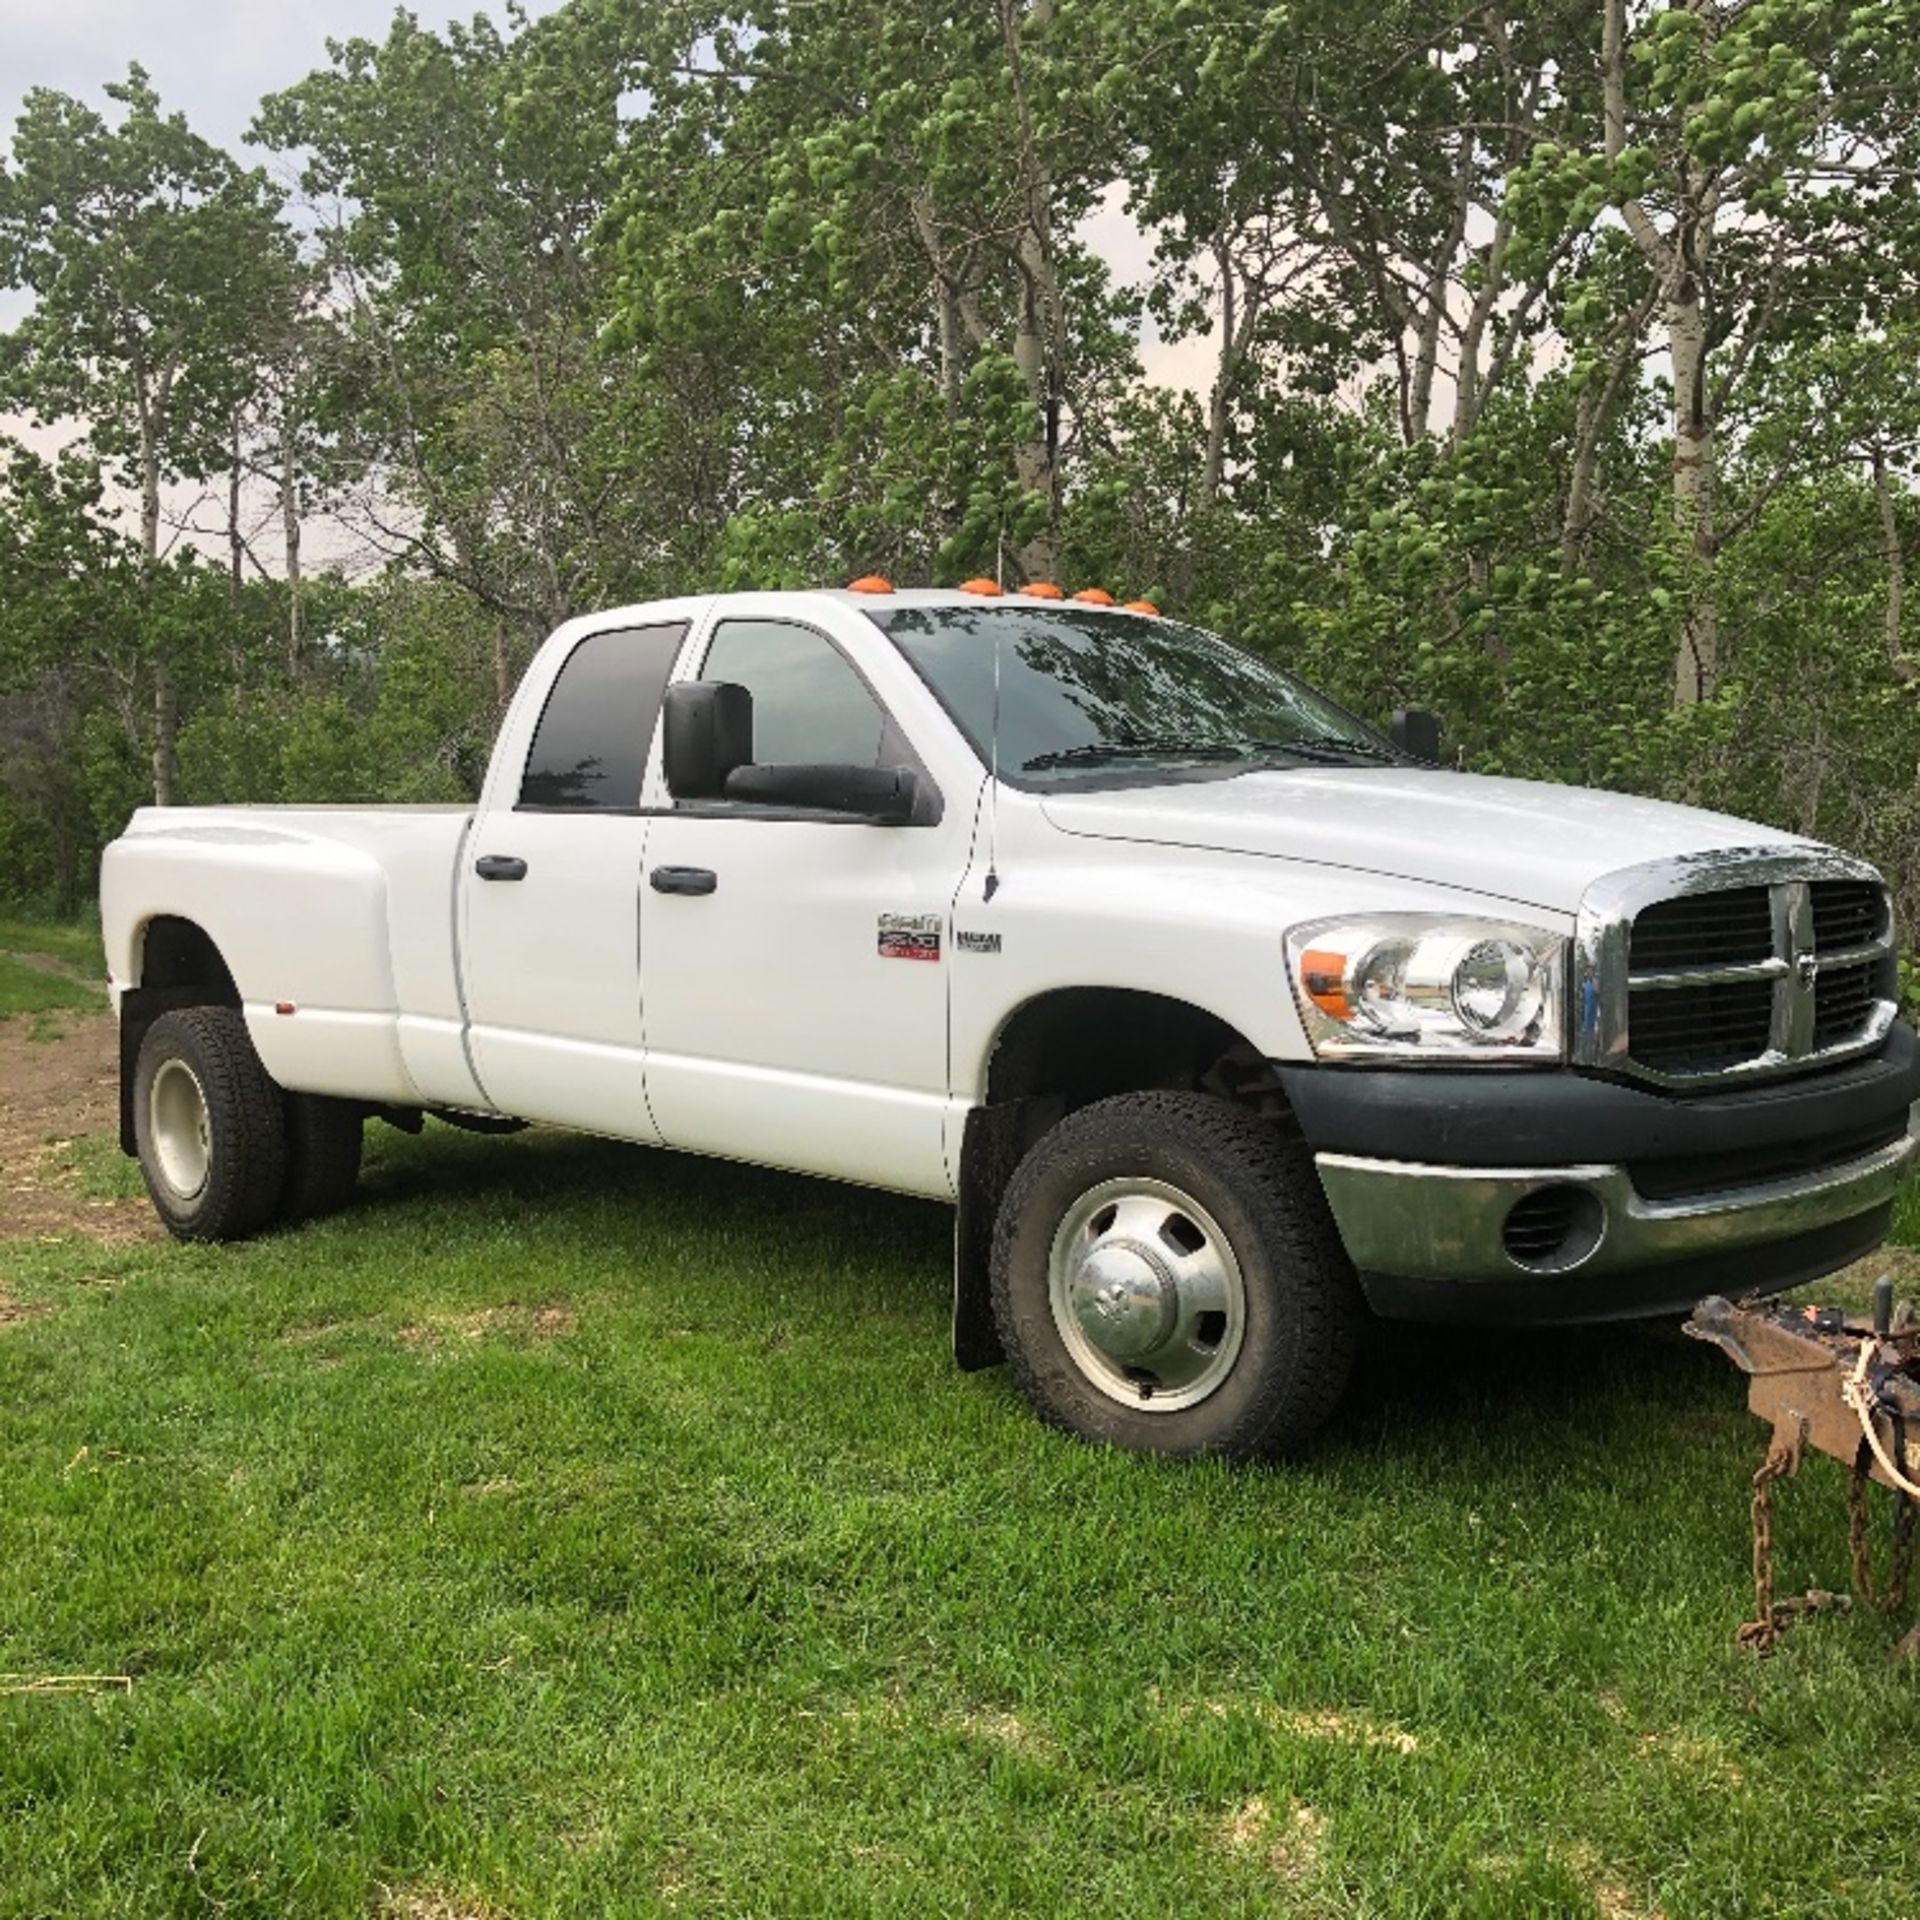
1221 1018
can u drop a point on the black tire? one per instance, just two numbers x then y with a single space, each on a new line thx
323 1154
1303 1313
243 1138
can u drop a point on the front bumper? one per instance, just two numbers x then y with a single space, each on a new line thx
1418 1232
1474 1214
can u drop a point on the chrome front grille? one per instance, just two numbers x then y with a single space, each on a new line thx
1696 970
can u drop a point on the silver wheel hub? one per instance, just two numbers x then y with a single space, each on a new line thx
179 1128
1147 1294
1124 1299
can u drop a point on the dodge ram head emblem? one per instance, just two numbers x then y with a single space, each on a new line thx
1806 967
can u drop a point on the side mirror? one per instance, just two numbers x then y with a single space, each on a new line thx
1417 732
883 796
707 733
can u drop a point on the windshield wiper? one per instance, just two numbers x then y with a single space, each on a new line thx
1096 751
1330 750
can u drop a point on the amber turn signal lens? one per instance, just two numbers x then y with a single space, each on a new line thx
980 586
1142 606
1324 977
1043 590
869 583
1095 596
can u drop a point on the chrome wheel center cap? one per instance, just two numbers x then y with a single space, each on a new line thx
1124 1299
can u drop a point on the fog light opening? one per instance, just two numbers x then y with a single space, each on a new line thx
1553 1229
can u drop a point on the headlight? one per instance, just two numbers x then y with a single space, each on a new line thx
1421 986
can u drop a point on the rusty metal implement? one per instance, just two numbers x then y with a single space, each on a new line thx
1845 1387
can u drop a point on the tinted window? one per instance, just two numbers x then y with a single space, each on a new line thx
590 747
1079 693
809 705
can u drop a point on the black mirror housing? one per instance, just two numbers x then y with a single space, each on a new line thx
1416 731
707 732
882 796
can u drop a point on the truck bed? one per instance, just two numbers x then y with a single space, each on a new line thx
338 924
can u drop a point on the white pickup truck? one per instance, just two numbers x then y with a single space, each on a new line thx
1220 1018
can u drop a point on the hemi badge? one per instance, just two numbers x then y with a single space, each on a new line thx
976 942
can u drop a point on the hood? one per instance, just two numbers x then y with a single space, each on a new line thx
1520 840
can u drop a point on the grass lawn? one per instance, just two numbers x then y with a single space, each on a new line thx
46 969
76 948
575 1530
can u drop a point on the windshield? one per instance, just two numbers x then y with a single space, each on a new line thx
1085 693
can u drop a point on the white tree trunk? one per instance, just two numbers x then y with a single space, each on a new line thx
1219 401
1906 669
1696 663
166 698
290 536
1039 340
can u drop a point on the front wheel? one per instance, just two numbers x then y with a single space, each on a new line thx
208 1125
1167 1278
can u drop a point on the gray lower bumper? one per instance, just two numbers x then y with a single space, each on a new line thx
1459 1223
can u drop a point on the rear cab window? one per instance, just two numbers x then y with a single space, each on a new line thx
590 748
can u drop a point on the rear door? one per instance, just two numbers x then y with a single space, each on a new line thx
551 895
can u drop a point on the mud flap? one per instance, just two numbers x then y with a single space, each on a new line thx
990 1149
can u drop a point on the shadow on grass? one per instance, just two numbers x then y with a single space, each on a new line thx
1440 1375
549 1174
1415 1384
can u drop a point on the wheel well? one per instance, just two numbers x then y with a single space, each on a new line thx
1061 1052
1070 1048
179 967
175 953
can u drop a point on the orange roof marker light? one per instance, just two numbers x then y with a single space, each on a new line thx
1094 597
1143 606
1042 590
869 583
985 587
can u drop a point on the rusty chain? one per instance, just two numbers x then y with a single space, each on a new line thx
1901 1559
1904 1519
1760 1632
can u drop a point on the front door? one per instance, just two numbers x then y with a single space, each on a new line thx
551 898
795 1005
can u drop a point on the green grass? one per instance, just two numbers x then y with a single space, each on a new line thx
25 989
575 1530
75 954
77 945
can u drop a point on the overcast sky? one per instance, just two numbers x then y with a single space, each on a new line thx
214 60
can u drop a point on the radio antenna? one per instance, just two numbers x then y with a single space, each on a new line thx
993 774
993 749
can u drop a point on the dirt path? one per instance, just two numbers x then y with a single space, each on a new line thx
52 1093
59 969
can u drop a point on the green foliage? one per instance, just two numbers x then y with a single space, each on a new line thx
641 300
151 257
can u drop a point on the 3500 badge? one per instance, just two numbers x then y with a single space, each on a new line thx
909 936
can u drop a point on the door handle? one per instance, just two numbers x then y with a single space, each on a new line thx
500 866
683 880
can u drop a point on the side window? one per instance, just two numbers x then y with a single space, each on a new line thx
590 747
809 705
